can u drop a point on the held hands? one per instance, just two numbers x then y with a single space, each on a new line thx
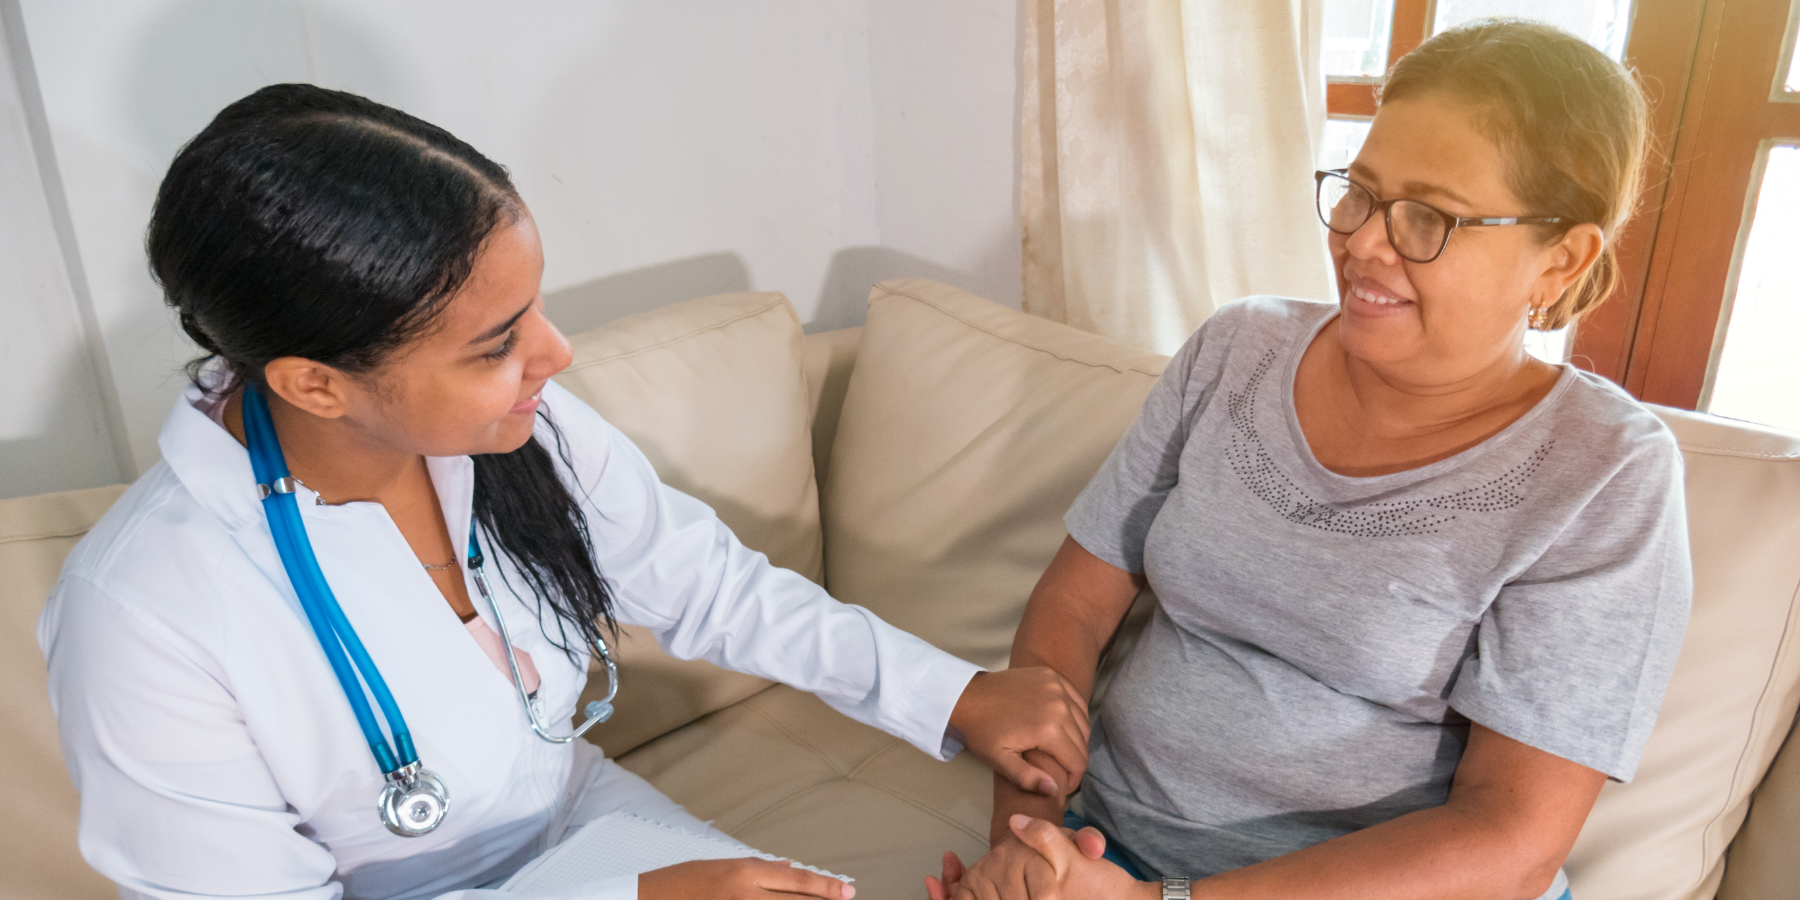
1039 861
738 879
1001 715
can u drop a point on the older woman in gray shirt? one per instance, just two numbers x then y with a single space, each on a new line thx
1419 593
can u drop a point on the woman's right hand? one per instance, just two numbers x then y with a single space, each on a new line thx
738 879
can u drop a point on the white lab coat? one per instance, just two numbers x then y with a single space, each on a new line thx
216 754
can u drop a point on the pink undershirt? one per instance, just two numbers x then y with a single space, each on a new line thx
490 644
483 635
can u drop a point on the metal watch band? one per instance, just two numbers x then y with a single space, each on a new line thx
1176 888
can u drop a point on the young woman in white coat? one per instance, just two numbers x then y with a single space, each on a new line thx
451 533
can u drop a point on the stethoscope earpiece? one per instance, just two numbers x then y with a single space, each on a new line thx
599 710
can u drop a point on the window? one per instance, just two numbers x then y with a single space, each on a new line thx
1757 376
1679 332
1356 37
1602 23
1343 137
1792 82
1707 315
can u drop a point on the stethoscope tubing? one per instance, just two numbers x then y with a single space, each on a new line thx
414 800
336 636
330 642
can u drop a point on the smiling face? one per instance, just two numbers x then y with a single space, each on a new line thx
471 382
1445 321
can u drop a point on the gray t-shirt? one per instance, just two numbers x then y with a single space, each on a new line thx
1323 641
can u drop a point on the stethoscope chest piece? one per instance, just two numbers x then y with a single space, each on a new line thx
414 801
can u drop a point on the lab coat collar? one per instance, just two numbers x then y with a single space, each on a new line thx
210 463
215 469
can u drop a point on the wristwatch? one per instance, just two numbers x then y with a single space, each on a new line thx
1176 888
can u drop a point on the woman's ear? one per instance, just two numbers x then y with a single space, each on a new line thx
312 386
1567 260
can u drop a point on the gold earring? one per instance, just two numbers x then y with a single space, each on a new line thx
1540 318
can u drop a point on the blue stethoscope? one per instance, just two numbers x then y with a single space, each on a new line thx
413 800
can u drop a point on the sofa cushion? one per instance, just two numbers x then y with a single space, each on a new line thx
712 390
967 430
37 832
787 774
1732 698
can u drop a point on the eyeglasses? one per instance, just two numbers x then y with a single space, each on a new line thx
1418 231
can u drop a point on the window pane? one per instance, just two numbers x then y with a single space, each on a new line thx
1602 23
1356 37
1758 366
1793 76
1343 138
1549 346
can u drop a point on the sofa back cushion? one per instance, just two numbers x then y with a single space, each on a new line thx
714 393
830 358
37 831
1731 701
966 431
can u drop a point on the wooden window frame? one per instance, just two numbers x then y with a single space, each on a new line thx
1710 69
1660 342
1662 48
1356 96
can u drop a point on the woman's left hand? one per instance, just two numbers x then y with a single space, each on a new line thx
1001 715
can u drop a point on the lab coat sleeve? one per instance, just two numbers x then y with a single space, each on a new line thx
676 569
176 799
622 888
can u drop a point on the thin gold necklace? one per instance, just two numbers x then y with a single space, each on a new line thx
429 567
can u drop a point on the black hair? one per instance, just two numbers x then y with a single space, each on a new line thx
319 224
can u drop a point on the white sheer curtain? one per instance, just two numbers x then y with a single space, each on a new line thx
1167 150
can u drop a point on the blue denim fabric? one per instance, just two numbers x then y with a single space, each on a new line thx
1076 823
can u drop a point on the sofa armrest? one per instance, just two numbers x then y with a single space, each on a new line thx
38 852
1761 865
827 358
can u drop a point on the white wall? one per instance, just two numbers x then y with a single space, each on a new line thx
945 76
668 150
55 431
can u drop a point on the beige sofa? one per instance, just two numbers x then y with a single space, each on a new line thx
920 466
